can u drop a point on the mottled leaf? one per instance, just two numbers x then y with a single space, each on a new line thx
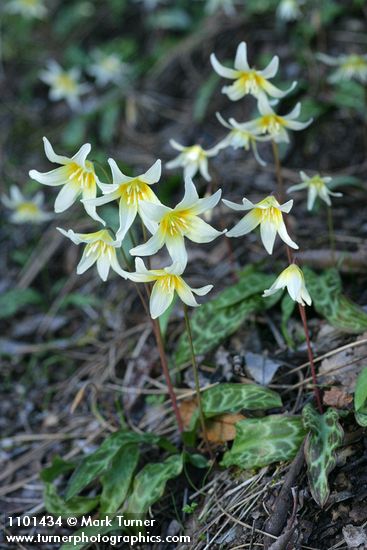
325 436
329 301
96 463
150 483
233 398
217 319
360 398
76 506
117 479
261 441
58 466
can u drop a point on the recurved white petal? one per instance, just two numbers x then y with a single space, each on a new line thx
160 300
154 211
207 203
223 71
152 246
240 62
55 177
201 291
190 197
271 69
153 175
68 194
185 293
117 176
71 235
268 232
286 207
201 232
81 156
203 168
89 193
51 155
247 224
176 145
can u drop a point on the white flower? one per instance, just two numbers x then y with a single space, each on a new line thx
76 175
317 187
130 192
107 68
274 125
239 137
247 79
101 248
25 210
267 213
227 6
289 10
27 8
167 282
193 159
64 84
292 278
177 223
349 66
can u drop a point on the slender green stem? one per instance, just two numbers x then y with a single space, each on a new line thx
278 171
132 238
197 381
330 223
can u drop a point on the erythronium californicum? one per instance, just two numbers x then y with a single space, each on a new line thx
100 249
25 210
167 281
275 125
317 186
239 137
267 213
130 192
247 79
192 159
293 279
174 224
76 176
64 84
107 68
348 67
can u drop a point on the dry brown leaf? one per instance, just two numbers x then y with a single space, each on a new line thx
336 397
219 429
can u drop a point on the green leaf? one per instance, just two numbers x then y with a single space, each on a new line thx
77 506
203 97
360 398
58 466
325 436
217 319
349 94
150 483
261 441
96 463
330 302
116 481
233 398
287 307
15 300
197 460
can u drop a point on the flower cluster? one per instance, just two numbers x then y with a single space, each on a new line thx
169 227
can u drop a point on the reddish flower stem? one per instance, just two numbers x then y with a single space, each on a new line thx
316 389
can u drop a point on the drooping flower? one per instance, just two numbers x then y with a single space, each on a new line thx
100 249
176 224
64 84
107 68
193 159
267 213
130 192
274 125
348 67
227 6
239 137
293 279
30 9
249 80
317 187
289 10
76 176
25 210
167 281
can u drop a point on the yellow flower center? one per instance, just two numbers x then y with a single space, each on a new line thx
251 81
84 177
168 282
100 248
175 223
317 182
27 209
271 212
354 62
271 123
66 83
194 153
110 64
135 191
